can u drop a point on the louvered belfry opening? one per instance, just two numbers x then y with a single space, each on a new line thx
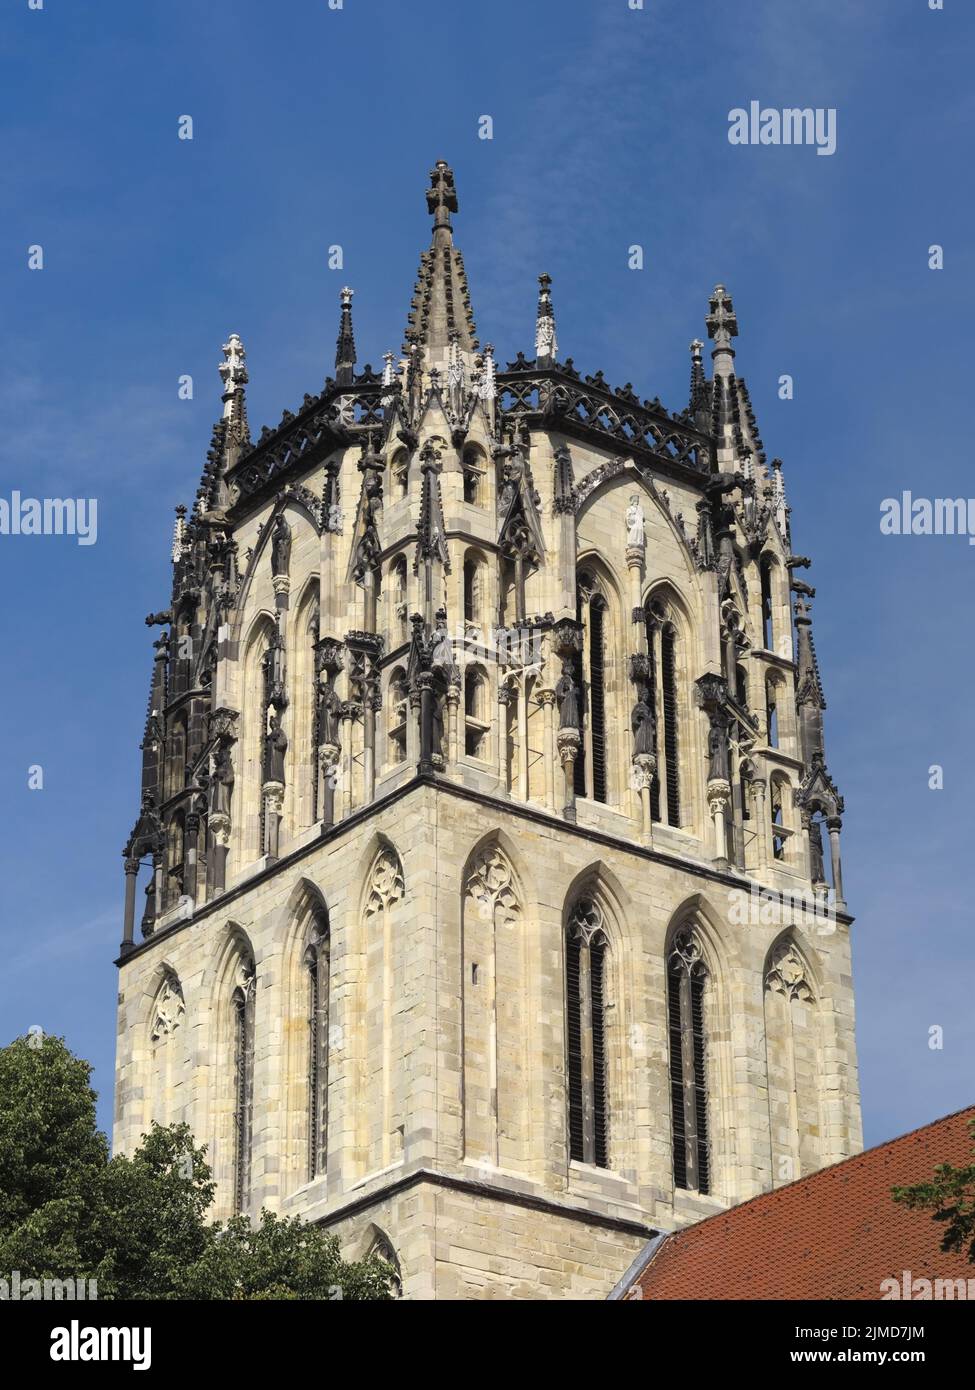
597 696
686 982
668 665
585 976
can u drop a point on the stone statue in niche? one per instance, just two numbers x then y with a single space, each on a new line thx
717 752
817 871
442 651
329 711
567 694
280 546
277 746
222 780
643 726
636 531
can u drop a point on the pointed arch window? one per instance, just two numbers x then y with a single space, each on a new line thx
475 469
771 712
475 573
780 791
586 952
476 726
668 673
768 632
663 645
397 705
686 982
399 616
592 761
400 471
242 1041
382 1248
317 975
741 685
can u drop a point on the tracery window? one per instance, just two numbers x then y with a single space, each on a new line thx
686 982
317 973
242 1041
586 958
592 761
663 644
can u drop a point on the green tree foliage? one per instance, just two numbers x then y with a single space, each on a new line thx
137 1224
950 1197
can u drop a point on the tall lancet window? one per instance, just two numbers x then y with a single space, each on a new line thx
663 645
586 953
242 1038
686 982
768 632
668 672
591 763
317 970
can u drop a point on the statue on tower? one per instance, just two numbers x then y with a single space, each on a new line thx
636 532
222 780
276 746
567 694
643 725
280 546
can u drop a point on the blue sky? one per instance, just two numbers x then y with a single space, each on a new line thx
314 127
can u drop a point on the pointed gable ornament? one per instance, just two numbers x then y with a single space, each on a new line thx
431 541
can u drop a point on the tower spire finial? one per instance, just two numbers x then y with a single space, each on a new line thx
233 374
546 344
722 326
345 344
441 195
441 303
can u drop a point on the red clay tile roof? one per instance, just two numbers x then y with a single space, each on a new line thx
835 1234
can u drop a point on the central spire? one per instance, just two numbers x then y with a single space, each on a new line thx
440 312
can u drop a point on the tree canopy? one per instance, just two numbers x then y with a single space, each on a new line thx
950 1197
138 1223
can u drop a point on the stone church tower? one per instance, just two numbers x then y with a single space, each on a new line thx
492 909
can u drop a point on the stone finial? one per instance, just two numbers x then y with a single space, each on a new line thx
489 374
179 533
345 344
546 344
722 326
233 372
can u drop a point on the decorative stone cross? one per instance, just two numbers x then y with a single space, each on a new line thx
722 321
441 195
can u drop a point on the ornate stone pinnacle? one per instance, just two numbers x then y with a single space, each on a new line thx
233 371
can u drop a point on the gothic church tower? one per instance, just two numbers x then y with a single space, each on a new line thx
488 915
